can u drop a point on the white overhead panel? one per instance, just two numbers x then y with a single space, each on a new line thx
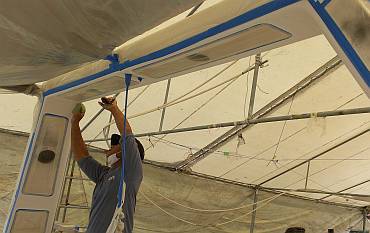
208 38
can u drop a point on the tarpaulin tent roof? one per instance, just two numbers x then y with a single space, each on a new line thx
43 39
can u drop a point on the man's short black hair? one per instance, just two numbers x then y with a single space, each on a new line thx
115 140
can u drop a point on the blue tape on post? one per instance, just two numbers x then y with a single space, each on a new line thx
342 41
114 59
124 137
325 2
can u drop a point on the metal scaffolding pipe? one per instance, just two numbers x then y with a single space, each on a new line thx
307 174
74 207
254 213
364 220
164 103
314 191
255 121
254 84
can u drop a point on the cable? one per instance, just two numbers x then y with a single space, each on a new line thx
180 100
268 201
200 107
168 213
281 134
138 95
203 210
250 212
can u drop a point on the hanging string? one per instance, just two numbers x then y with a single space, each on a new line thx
274 160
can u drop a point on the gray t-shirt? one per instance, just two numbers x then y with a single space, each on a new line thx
104 200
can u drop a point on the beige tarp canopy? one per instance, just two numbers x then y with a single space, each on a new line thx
43 39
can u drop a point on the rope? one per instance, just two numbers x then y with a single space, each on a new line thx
274 160
200 107
180 100
168 213
120 191
244 215
267 200
203 210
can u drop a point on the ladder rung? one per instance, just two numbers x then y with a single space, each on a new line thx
74 207
77 178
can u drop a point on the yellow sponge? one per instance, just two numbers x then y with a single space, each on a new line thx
79 108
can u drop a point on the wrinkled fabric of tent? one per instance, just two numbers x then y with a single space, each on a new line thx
42 39
170 202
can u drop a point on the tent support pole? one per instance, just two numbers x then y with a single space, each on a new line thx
254 213
351 187
364 219
307 174
255 121
254 84
320 73
165 102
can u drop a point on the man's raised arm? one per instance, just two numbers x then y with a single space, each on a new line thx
110 104
78 146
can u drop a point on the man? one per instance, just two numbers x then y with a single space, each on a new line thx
107 180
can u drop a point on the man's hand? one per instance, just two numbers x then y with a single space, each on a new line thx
78 113
109 103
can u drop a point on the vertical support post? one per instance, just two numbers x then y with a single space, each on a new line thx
364 219
254 213
254 84
308 172
165 102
